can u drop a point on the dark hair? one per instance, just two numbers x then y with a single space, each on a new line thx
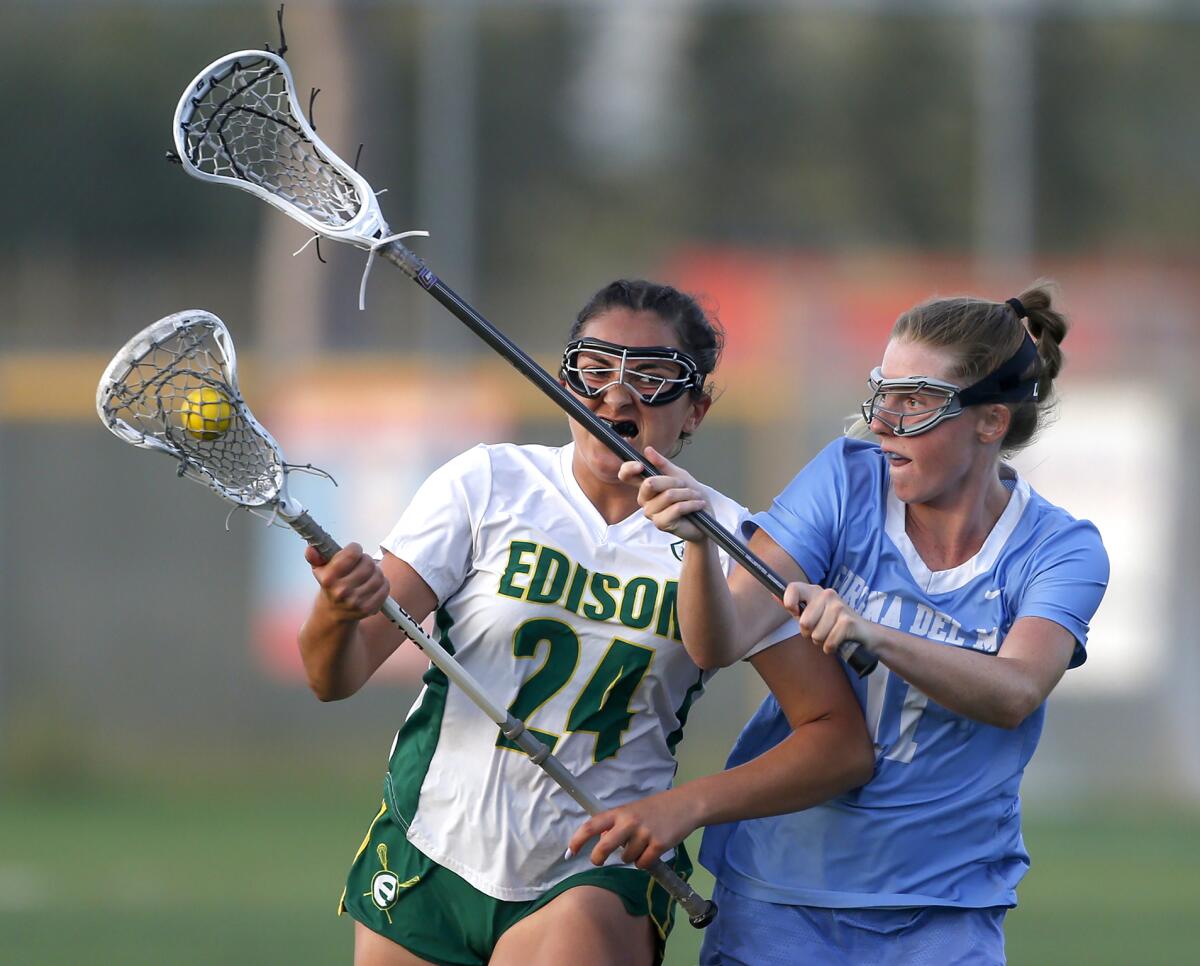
699 336
984 335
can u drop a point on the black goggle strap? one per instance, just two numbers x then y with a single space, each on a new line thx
1005 383
670 389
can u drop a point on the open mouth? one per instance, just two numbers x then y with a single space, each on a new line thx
626 428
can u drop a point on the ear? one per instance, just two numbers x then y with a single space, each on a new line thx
697 410
991 425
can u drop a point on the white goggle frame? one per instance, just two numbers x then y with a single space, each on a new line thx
651 388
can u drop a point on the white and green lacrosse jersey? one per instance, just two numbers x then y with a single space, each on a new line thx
565 620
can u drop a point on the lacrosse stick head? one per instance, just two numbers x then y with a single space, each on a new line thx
239 123
173 388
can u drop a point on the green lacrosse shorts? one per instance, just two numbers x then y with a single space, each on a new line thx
395 890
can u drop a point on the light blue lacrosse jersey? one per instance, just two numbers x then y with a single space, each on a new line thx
939 823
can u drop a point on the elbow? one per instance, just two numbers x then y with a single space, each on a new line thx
326 695
708 658
1010 718
1016 708
325 686
708 662
860 763
850 756
711 648
323 690
317 677
322 671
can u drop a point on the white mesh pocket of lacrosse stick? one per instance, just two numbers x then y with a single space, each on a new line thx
173 388
239 123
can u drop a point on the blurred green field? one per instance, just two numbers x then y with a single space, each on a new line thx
234 873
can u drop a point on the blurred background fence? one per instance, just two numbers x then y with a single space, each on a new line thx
809 168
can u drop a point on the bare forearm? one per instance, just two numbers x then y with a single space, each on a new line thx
334 654
989 688
707 612
346 638
826 752
814 763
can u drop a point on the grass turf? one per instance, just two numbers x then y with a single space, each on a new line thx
241 873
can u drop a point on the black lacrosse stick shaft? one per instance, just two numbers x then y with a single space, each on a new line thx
854 654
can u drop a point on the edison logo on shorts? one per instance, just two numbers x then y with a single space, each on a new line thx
386 885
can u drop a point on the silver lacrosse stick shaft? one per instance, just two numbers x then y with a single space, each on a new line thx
700 911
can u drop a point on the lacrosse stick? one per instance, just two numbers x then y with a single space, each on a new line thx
239 123
173 388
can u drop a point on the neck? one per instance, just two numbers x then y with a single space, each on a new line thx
613 500
950 530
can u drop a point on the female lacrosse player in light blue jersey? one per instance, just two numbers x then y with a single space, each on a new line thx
556 593
974 592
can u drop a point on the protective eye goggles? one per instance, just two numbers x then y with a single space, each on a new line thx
913 405
657 375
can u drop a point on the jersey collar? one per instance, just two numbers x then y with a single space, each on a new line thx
945 581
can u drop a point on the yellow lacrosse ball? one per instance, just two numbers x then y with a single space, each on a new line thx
206 413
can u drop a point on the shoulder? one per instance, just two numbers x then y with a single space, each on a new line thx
1057 537
1057 527
497 461
850 456
845 465
514 466
471 461
859 458
844 482
507 477
470 472
856 456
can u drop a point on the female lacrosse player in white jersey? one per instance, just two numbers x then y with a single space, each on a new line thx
974 592
555 591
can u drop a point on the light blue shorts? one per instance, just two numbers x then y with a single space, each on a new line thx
751 932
